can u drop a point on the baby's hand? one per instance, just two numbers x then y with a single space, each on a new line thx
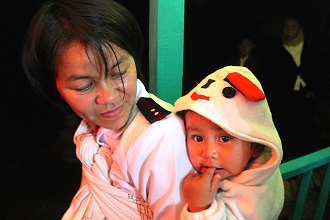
200 190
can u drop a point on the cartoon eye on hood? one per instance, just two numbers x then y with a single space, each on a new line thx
240 83
245 86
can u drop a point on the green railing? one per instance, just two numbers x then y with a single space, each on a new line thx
304 166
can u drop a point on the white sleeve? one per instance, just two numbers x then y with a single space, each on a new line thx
158 162
215 212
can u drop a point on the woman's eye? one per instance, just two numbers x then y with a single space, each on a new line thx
85 88
224 138
118 75
197 138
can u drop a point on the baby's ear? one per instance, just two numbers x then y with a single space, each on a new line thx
256 150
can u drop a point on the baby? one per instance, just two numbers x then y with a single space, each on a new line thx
234 147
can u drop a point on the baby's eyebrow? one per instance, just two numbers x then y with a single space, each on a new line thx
191 128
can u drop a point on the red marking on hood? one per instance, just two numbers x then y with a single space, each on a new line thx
245 86
196 96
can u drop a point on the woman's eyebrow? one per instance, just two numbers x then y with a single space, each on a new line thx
119 61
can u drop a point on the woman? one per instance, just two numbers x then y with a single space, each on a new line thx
292 82
85 56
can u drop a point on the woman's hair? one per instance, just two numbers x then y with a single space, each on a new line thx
96 24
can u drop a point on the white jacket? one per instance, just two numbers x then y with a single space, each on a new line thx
141 165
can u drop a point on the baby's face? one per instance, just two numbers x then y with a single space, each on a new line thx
210 146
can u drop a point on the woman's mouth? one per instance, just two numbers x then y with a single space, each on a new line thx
112 113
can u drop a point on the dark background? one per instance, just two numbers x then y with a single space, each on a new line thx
212 30
39 172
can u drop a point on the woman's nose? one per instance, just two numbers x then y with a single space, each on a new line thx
107 94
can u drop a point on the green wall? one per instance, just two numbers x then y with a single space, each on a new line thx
166 46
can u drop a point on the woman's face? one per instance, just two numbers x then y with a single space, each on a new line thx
211 146
245 47
81 82
290 29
